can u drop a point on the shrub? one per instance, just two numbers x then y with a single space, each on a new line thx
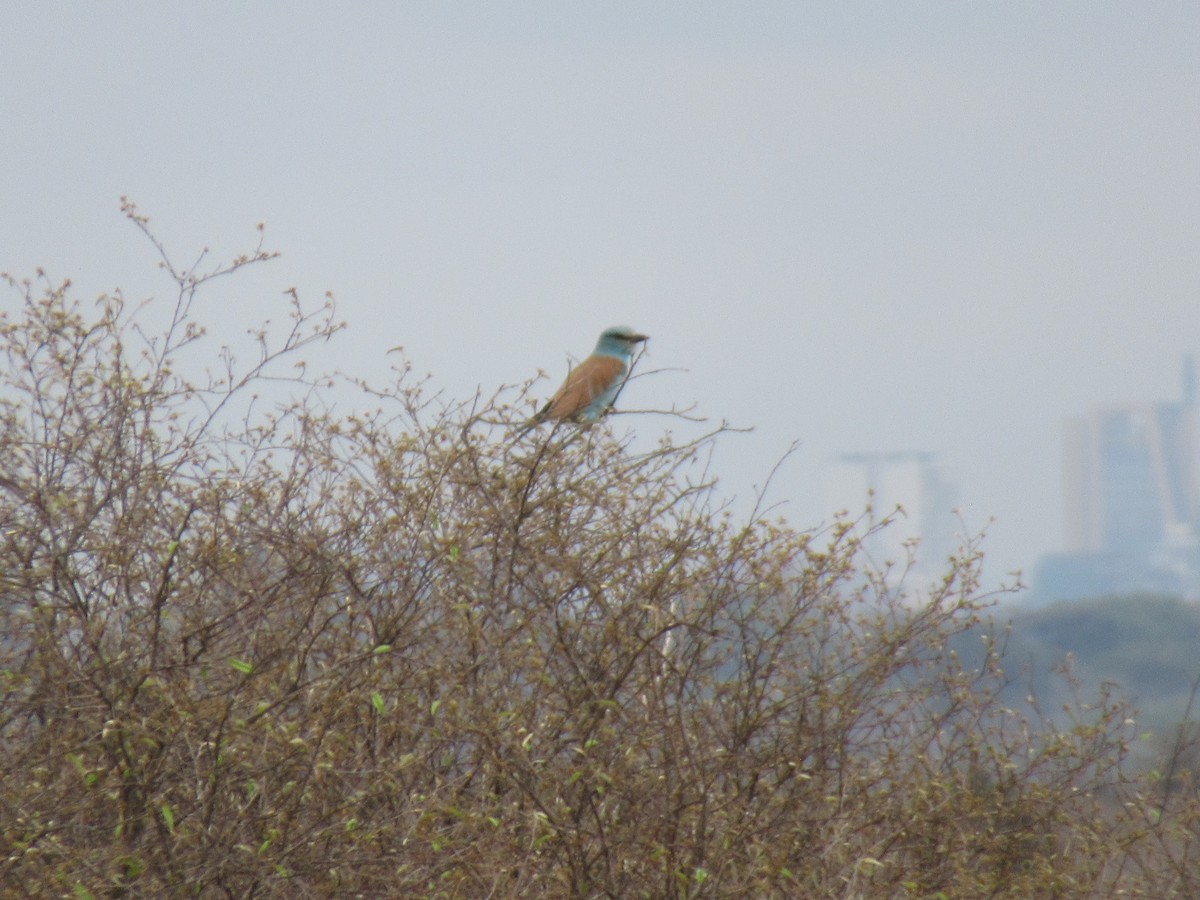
408 653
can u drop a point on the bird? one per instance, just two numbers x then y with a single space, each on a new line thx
591 387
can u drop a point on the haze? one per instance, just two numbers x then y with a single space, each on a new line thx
864 227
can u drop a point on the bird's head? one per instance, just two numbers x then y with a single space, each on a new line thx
618 341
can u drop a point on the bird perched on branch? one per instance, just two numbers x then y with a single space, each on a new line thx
593 385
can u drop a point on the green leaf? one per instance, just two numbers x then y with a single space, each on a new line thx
382 648
168 817
133 866
82 892
377 702
242 666
433 707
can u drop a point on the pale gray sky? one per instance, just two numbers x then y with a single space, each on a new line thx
865 226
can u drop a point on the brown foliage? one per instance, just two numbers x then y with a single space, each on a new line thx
407 653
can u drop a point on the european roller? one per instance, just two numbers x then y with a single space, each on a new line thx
593 385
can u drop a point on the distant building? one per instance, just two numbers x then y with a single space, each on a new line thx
927 527
1131 480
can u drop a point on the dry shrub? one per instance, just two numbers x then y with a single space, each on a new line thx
407 653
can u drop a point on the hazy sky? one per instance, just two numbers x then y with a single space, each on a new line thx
863 226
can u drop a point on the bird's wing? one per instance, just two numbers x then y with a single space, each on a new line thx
585 383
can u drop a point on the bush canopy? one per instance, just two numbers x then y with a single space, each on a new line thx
257 648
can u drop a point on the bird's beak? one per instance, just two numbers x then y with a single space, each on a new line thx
638 338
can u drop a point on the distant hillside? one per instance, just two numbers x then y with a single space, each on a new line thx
1147 645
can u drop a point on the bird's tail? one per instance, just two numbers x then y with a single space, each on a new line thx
538 418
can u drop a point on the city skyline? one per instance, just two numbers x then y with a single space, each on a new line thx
1131 483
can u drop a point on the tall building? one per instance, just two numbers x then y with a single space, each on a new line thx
927 527
1131 481
1131 477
